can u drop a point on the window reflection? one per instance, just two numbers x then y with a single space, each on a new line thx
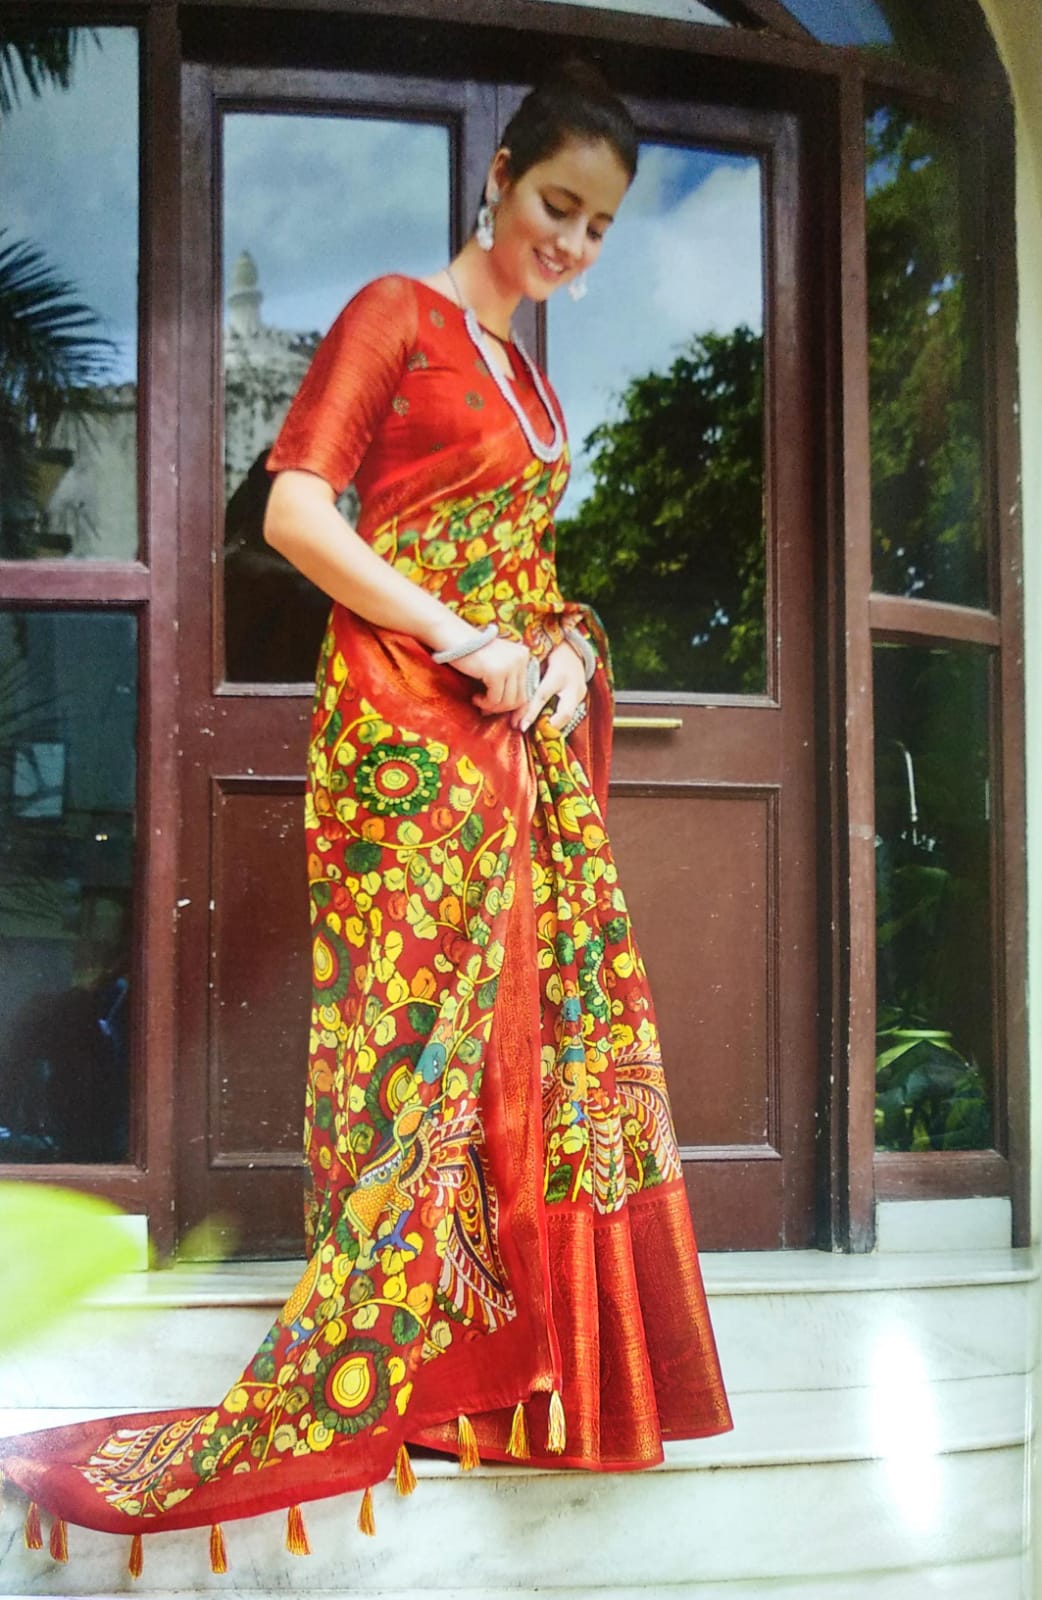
925 372
314 207
68 282
934 933
662 529
683 10
68 719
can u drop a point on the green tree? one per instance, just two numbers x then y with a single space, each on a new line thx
52 359
924 368
669 545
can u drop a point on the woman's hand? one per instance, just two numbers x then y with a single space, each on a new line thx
502 666
564 677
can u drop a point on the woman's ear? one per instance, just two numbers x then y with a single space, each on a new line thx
498 179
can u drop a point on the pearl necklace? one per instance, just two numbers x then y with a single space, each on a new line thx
544 452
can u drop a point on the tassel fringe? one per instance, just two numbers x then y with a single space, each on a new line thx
366 1519
468 1445
296 1533
32 1532
404 1476
517 1444
218 1554
556 1437
59 1542
136 1563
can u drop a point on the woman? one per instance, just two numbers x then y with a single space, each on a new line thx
501 1260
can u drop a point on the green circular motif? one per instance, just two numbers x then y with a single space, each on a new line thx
397 780
351 1386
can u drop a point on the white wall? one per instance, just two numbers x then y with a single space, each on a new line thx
1017 27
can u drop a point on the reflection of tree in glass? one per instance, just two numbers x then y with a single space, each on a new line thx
925 378
33 58
933 975
669 545
51 358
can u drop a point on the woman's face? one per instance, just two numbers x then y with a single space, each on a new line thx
551 221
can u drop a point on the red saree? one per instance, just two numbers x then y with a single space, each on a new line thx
500 1254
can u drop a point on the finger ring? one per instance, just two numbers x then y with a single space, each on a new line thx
532 679
574 720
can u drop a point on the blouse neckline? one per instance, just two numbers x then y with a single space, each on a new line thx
508 344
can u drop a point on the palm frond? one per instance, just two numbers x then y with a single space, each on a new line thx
36 57
47 342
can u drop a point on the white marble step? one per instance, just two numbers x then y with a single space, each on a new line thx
878 1454
1005 1579
780 1427
813 1526
810 1323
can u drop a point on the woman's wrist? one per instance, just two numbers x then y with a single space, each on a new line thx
583 649
476 639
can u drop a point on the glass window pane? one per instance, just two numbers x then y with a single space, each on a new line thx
68 292
68 721
860 22
291 261
682 10
934 933
662 527
925 371
905 28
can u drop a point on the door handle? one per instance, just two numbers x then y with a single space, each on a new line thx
648 724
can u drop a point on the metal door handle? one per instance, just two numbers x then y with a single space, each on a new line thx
647 723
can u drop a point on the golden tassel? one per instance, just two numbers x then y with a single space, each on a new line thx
296 1533
404 1476
517 1444
59 1543
218 1554
32 1533
366 1519
468 1445
136 1564
556 1437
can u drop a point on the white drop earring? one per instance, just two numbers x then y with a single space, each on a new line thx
578 286
485 232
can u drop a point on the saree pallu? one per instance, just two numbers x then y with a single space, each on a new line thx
500 1254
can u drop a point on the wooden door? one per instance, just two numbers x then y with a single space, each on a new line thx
398 168
695 538
712 816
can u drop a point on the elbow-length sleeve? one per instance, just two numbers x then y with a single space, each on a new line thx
350 384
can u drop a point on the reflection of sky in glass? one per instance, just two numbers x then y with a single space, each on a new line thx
324 204
685 10
69 181
843 21
684 257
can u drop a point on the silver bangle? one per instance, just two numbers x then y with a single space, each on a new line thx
456 652
574 720
583 649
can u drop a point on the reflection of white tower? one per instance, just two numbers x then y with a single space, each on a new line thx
262 371
244 299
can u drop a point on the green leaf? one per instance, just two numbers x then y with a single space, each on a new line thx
560 1183
58 1247
422 1016
487 993
472 832
404 1326
362 855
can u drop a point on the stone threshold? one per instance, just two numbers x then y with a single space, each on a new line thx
267 1283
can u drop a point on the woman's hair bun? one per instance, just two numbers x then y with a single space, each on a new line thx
573 100
576 72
